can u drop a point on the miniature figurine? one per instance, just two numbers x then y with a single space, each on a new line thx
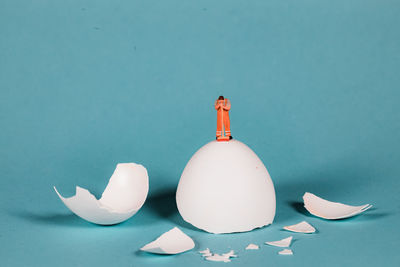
223 105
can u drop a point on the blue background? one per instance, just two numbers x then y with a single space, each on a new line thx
314 87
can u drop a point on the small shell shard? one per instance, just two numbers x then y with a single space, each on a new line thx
331 210
206 252
284 243
217 257
302 227
286 252
172 242
252 246
225 257
230 254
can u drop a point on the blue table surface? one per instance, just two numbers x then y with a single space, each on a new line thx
314 86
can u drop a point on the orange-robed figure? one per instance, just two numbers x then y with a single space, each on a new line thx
223 105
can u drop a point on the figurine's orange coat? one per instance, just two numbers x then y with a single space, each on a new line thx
223 107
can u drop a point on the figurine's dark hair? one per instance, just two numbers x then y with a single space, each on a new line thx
221 97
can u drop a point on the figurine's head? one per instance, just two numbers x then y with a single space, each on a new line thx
221 97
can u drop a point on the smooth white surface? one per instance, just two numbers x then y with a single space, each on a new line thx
301 227
331 210
226 188
284 243
286 252
172 242
252 246
124 195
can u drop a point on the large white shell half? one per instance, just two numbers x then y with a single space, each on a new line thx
226 188
124 195
331 210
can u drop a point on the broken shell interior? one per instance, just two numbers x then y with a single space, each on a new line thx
172 242
226 188
331 210
284 243
301 227
124 195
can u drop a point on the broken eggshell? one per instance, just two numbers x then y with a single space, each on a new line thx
301 227
286 252
252 246
206 252
331 210
172 242
225 188
124 195
284 243
225 257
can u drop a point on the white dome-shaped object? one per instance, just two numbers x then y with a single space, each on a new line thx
124 195
226 188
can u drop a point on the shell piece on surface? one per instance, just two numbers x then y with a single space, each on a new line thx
225 188
217 257
331 210
230 254
206 252
172 242
225 257
124 195
301 227
284 243
286 252
252 246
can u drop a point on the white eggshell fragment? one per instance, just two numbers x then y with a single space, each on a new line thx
226 257
286 252
206 252
331 210
301 227
252 246
172 242
284 243
217 257
124 195
226 188
230 254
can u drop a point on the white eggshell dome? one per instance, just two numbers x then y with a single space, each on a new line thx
226 188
